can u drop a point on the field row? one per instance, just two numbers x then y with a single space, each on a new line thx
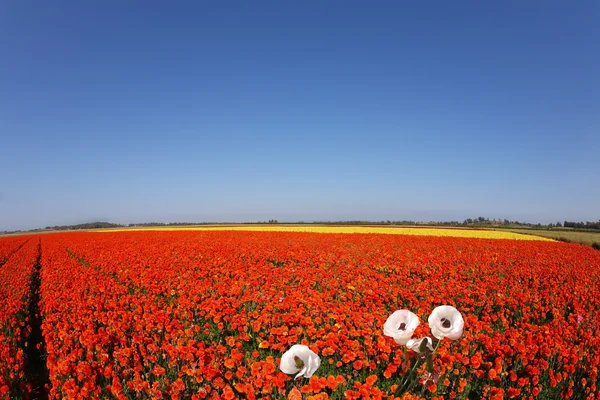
573 236
9 245
198 314
416 231
15 279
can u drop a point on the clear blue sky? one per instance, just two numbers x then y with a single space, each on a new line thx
242 111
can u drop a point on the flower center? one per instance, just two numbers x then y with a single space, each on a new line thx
446 323
402 326
299 363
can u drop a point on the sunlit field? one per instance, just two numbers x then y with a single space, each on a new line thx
213 313
444 232
575 236
300 200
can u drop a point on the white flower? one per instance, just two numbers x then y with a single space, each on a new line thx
446 321
299 359
415 345
401 325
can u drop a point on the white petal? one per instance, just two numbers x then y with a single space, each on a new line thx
415 345
399 317
313 364
303 352
404 338
429 342
436 333
458 325
451 314
301 373
287 364
413 323
309 358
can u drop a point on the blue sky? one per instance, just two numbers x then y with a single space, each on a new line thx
244 111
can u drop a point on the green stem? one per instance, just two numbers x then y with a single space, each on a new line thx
412 384
429 362
436 347
429 357
297 383
406 366
407 377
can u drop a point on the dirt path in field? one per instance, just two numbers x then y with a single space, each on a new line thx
35 366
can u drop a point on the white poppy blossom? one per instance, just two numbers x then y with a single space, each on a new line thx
415 345
401 325
446 321
301 360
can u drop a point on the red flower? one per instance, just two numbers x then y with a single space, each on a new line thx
198 314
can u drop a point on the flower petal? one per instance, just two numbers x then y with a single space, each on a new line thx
310 360
287 364
446 315
301 373
401 318
415 345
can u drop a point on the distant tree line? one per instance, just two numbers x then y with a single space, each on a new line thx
583 225
469 222
474 222
384 222
588 225
486 221
89 225
169 223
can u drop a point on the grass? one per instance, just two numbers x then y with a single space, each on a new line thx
587 238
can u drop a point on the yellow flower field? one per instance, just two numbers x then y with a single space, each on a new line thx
465 233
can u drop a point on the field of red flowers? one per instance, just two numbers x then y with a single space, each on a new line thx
194 314
17 257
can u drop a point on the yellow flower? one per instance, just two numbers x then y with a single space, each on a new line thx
463 233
